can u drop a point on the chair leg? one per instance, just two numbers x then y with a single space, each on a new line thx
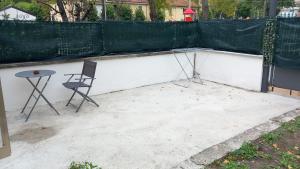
80 104
87 98
71 98
93 101
84 98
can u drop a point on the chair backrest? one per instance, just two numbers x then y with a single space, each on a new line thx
89 68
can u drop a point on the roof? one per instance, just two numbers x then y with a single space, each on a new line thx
177 3
19 9
182 3
129 1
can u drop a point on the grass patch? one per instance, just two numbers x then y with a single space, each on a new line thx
247 151
234 165
291 126
279 149
271 138
288 161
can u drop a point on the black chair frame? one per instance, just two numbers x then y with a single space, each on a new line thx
87 75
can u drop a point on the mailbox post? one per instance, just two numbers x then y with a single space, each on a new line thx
189 15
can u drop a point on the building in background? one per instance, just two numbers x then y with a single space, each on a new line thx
290 12
177 9
14 13
134 4
174 13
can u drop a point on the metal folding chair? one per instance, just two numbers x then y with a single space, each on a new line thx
87 75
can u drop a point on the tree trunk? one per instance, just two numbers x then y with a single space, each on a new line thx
104 10
62 10
205 9
153 10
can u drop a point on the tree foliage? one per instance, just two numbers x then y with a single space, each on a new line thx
259 8
139 15
4 3
71 10
243 10
110 12
124 12
223 8
119 11
157 9
161 15
93 15
286 3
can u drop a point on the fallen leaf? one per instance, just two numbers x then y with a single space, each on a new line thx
296 148
290 167
289 152
225 161
275 146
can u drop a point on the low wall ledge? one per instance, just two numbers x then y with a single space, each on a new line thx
111 57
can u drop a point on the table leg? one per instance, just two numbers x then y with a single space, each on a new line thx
41 94
30 95
37 99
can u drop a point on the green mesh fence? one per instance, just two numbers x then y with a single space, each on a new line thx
187 35
32 41
21 42
37 41
76 40
232 35
138 37
287 46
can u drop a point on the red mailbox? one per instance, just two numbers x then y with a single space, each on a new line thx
188 15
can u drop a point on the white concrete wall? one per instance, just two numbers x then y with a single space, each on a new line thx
234 69
112 75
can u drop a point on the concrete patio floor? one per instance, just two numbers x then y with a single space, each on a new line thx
152 127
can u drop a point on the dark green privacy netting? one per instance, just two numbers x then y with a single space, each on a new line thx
138 37
287 45
37 41
31 41
232 35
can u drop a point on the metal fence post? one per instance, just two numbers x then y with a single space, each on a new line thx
266 66
5 150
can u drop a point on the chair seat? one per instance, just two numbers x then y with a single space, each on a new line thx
75 85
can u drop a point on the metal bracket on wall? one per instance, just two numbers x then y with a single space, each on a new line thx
196 75
5 149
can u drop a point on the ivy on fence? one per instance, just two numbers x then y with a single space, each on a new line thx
269 41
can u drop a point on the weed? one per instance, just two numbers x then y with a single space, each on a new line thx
247 151
271 167
287 160
264 155
291 126
235 165
271 138
83 165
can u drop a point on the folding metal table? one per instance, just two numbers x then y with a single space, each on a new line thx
39 74
196 75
